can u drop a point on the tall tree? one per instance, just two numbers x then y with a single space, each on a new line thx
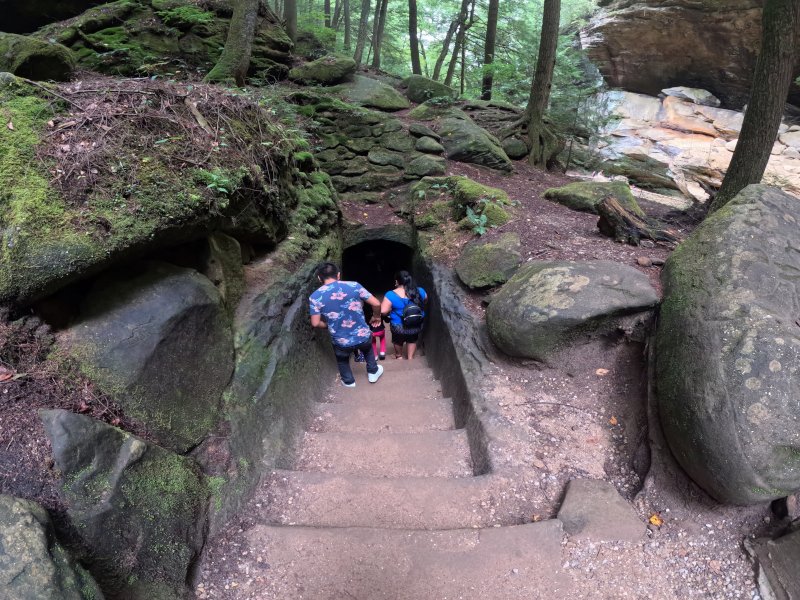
347 28
235 59
543 143
290 17
326 9
337 15
377 33
413 37
466 18
770 87
488 49
361 38
437 68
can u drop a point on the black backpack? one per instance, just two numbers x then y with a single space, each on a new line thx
412 316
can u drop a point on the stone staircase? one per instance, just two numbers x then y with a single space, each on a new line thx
382 503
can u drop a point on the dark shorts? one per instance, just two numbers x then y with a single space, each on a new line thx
402 336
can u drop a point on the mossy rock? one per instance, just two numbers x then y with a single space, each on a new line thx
584 196
465 141
428 145
419 89
35 59
33 564
223 267
398 141
138 509
328 70
381 156
515 148
313 43
425 165
467 192
437 213
434 110
378 178
488 264
420 130
372 93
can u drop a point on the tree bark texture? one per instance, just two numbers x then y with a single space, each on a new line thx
326 9
347 28
437 69
413 37
290 17
771 81
489 49
361 38
235 59
377 35
540 139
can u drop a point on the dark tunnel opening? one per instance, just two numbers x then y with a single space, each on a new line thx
374 263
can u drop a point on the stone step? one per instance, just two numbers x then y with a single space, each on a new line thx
429 454
369 416
504 563
330 500
393 386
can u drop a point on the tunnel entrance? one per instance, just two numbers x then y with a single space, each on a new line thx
373 264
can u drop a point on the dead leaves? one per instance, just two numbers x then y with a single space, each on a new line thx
8 375
601 372
655 520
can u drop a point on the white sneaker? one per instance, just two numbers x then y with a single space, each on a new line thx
349 384
373 377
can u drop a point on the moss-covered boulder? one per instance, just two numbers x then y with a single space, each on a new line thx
139 510
548 306
584 196
428 145
136 37
172 373
314 42
485 264
35 59
33 564
381 156
424 165
437 109
436 214
465 141
140 195
328 70
420 89
420 130
728 349
515 148
372 93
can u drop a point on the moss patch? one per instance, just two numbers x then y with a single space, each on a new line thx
586 195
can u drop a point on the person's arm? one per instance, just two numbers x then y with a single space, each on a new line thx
376 310
386 306
316 321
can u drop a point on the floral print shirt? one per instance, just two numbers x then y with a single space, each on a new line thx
341 305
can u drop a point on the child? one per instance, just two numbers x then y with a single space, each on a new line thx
379 333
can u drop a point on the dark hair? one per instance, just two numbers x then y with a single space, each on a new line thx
409 285
327 270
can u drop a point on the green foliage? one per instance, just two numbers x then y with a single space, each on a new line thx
185 17
477 221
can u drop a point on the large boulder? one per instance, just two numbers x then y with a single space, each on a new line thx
328 70
138 509
39 60
374 94
728 349
159 340
586 195
648 45
464 141
549 305
419 89
486 264
33 564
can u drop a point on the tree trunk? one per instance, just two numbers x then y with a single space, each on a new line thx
424 58
461 34
290 16
770 87
361 39
437 69
337 15
488 50
541 140
463 66
326 9
413 38
619 223
235 59
347 29
377 34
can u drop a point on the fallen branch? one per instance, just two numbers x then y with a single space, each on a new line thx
624 226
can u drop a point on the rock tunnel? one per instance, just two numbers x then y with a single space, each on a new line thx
373 263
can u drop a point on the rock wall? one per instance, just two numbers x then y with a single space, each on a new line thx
647 45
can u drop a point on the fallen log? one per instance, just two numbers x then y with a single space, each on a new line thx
624 226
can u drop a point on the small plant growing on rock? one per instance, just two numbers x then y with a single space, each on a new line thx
219 183
477 221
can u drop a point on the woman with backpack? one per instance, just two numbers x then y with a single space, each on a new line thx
405 306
